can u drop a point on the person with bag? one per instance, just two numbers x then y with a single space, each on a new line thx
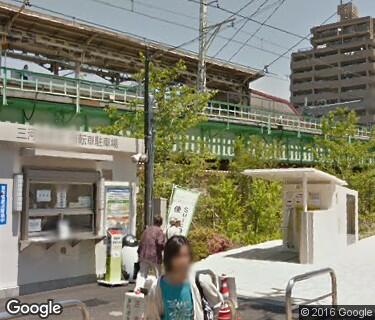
180 294
150 252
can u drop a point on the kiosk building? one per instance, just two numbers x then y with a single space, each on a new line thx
320 214
54 208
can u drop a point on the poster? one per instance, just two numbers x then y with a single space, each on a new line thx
61 197
118 207
3 203
43 196
182 205
35 225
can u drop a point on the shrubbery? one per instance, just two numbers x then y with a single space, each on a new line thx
233 208
206 241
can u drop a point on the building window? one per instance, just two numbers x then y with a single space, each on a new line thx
54 197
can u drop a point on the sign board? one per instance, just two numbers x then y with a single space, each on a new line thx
182 206
56 137
118 207
114 247
43 196
35 225
3 204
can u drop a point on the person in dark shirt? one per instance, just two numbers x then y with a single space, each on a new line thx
150 252
25 75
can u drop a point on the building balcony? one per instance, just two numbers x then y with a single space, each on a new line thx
360 81
302 75
302 86
358 68
301 64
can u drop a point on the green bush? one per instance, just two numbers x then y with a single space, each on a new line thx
206 241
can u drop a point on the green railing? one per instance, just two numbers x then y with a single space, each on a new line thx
80 90
235 113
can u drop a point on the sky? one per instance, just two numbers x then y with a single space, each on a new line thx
176 21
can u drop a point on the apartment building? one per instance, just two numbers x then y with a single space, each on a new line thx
339 69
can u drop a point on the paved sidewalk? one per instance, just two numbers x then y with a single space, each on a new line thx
266 279
107 303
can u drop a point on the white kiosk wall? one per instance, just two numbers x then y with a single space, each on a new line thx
8 231
320 216
38 267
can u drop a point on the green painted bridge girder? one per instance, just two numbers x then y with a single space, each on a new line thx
217 137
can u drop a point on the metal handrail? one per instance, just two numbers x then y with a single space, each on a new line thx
306 276
66 305
229 111
30 81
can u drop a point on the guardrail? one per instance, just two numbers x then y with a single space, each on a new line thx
289 307
79 89
66 305
227 112
27 81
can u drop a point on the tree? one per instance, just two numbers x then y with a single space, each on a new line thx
260 200
338 150
178 108
245 210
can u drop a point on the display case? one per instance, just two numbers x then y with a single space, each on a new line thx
56 200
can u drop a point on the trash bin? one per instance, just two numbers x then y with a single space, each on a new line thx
129 255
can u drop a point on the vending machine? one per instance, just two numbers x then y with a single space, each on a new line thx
119 221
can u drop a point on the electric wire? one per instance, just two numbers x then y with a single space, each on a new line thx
180 14
257 30
238 30
299 42
315 59
251 19
103 2
147 41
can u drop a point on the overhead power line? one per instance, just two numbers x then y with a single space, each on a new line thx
299 42
256 31
146 40
252 20
242 26
188 27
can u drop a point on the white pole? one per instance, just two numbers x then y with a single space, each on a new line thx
304 189
202 78
305 220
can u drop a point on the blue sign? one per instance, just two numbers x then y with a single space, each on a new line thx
3 203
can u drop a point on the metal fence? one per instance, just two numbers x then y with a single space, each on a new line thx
289 307
79 89
27 81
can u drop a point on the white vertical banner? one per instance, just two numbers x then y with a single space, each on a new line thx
182 205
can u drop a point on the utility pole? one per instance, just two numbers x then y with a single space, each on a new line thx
149 146
207 35
202 76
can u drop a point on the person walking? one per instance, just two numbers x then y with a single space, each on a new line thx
150 252
174 228
181 294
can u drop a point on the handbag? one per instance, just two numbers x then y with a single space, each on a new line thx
208 312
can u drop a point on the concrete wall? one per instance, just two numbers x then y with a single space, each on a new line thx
36 264
8 232
329 236
324 229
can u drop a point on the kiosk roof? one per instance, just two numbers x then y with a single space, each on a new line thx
294 175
